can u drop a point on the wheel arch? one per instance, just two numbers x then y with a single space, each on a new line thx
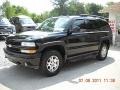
105 41
60 48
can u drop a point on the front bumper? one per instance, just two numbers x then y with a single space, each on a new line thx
32 61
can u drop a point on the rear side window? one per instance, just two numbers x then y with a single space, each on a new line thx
100 23
90 24
95 24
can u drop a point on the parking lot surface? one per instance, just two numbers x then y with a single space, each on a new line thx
83 75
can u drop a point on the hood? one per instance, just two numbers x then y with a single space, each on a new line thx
6 25
35 34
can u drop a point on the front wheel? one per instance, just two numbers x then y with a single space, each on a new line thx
51 63
103 52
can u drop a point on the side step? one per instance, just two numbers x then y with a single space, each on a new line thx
82 56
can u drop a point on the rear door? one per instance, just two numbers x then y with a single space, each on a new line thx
93 34
81 40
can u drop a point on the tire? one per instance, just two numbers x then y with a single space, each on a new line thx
102 54
51 63
118 31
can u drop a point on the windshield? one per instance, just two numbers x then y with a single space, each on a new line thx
54 24
4 21
26 21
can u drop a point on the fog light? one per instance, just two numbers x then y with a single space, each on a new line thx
28 51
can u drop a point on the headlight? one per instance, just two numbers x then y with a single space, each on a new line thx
28 44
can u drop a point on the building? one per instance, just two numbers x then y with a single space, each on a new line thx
114 20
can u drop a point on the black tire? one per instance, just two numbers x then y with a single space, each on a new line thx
46 59
118 31
100 56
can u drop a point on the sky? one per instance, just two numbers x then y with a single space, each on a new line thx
40 6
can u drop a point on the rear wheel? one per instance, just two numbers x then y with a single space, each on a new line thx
103 52
51 63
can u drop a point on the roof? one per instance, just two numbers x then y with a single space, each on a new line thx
85 16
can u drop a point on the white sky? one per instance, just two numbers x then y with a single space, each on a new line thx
39 6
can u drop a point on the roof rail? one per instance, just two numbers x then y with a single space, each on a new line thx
87 15
97 16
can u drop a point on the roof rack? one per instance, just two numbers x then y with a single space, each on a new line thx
96 16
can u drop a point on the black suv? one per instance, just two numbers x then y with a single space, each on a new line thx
58 40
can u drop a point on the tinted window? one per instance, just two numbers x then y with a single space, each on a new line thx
100 23
103 23
90 24
94 24
79 23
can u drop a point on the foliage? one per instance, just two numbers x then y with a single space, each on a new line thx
92 8
61 7
7 9
75 8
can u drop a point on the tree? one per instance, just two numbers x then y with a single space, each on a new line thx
75 8
92 8
7 10
60 5
12 10
54 12
21 10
